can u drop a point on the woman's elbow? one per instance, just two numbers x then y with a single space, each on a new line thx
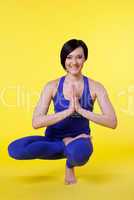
113 123
38 122
34 124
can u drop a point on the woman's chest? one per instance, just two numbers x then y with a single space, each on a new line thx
70 90
79 90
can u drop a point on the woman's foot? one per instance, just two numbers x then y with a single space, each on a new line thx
67 140
70 176
69 172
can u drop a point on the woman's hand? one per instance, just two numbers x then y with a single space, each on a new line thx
72 105
77 104
74 101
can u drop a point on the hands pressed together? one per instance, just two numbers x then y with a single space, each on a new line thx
74 101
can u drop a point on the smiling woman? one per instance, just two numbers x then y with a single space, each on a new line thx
68 132
71 50
75 61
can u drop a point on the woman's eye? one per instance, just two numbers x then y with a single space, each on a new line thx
79 56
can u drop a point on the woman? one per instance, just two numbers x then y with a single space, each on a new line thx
68 133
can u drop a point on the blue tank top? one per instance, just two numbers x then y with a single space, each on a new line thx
74 124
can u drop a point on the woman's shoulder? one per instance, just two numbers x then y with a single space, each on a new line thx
96 85
52 85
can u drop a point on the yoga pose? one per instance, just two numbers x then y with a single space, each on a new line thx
67 133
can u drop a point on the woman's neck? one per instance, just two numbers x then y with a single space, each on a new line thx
73 78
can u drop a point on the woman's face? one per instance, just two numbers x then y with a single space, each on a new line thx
74 61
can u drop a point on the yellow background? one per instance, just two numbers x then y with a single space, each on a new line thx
31 36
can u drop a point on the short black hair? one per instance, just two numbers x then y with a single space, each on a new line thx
69 46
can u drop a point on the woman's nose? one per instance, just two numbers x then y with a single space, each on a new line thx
74 61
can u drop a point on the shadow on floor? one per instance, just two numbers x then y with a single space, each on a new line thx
98 178
34 179
95 178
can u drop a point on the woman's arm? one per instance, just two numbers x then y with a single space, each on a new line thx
40 118
108 117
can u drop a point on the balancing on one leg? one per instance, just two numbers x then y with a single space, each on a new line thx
68 133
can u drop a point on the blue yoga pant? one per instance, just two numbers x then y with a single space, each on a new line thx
77 152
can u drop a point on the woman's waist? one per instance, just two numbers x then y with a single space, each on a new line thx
67 129
70 123
53 133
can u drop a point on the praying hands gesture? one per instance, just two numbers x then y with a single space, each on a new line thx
74 100
106 118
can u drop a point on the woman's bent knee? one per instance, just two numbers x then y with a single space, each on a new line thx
79 151
11 151
82 158
15 152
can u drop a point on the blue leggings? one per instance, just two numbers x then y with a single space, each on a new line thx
77 152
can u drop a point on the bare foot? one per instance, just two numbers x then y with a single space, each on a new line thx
69 172
70 176
67 140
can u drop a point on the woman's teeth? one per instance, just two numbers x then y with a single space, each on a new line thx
74 66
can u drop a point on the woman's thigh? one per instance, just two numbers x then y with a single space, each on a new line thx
79 147
32 147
